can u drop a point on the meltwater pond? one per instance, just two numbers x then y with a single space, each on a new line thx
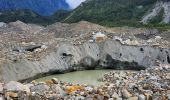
88 77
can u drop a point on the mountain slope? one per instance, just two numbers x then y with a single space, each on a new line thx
42 7
160 10
29 16
120 12
135 13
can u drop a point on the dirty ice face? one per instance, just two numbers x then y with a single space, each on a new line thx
74 3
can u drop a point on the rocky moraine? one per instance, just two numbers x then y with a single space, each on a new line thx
30 51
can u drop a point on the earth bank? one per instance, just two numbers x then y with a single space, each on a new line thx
68 57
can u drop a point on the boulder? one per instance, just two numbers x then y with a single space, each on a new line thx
168 96
29 85
1 87
55 80
119 99
40 88
72 89
90 89
57 89
148 96
131 85
49 82
11 94
126 94
99 37
133 98
80 98
141 97
115 95
1 98
16 86
168 76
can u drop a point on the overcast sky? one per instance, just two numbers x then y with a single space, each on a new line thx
74 3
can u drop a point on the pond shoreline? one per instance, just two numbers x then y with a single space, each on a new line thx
89 77
58 72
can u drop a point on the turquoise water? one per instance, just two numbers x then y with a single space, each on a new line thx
88 77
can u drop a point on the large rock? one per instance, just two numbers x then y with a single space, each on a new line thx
133 98
57 89
1 87
40 88
168 76
16 86
141 97
115 95
99 37
168 96
126 94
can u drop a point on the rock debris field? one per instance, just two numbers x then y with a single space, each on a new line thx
150 84
28 50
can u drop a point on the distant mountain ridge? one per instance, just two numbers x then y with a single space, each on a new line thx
122 12
111 11
135 13
42 7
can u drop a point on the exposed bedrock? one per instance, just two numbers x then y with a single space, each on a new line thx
68 57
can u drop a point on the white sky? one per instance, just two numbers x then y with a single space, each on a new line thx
74 3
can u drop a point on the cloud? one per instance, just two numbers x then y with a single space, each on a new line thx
74 3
